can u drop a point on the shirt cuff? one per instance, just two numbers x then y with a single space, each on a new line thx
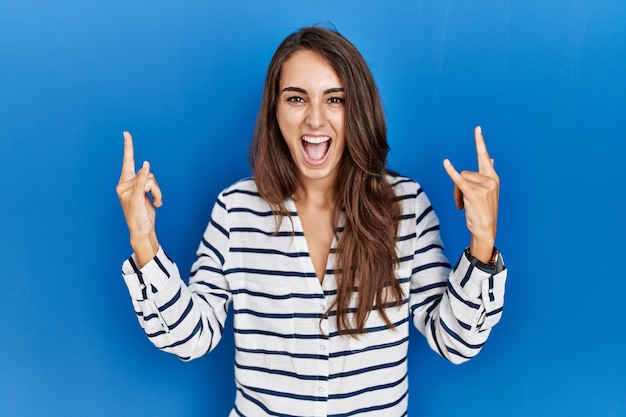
154 276
478 283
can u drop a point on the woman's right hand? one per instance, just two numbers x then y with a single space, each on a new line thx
133 190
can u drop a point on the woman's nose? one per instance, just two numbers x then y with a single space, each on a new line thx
315 116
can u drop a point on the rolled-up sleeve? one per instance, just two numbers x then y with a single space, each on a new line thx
454 308
186 320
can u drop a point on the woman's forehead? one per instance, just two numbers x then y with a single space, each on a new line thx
308 68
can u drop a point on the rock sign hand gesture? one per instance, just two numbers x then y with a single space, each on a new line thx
478 193
133 190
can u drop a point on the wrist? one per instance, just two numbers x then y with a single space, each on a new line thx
482 249
145 248
494 266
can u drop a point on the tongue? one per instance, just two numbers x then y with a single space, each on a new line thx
316 151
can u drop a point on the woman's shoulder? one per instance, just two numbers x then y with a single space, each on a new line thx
243 187
404 187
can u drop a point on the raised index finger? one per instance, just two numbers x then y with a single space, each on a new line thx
128 163
484 160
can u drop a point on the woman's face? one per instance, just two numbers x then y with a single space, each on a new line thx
311 116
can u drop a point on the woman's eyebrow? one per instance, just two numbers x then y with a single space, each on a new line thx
303 91
294 89
335 90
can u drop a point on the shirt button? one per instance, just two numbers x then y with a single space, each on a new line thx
142 286
322 390
322 347
322 307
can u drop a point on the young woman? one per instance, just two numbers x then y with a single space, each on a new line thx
325 255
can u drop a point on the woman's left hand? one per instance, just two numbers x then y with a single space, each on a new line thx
478 193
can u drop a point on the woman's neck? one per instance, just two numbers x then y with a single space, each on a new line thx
321 193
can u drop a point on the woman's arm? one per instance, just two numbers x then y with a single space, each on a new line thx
134 190
184 320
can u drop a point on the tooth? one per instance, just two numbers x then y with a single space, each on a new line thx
315 139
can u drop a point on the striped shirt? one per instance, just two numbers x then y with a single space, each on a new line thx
290 359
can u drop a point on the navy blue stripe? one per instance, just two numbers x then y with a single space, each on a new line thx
464 325
369 348
144 291
285 394
183 316
289 374
188 338
219 227
263 232
468 274
424 214
278 315
405 197
434 336
429 287
377 328
250 211
218 291
269 252
206 268
402 180
220 203
212 333
280 335
368 389
406 237
491 297
168 257
458 263
430 229
161 267
353 310
155 334
149 316
433 298
282 353
457 337
261 405
458 297
494 312
214 250
369 369
430 309
430 265
408 258
373 408
457 353
171 302
276 296
270 272
240 191
428 248
133 264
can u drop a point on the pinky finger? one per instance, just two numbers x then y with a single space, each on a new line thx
452 172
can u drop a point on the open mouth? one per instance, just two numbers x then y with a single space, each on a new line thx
315 148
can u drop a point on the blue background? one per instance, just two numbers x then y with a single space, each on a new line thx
545 79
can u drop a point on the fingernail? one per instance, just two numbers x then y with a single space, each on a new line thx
479 129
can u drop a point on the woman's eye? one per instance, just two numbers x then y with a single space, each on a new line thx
336 100
295 99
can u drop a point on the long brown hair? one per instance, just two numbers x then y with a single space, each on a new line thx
366 249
